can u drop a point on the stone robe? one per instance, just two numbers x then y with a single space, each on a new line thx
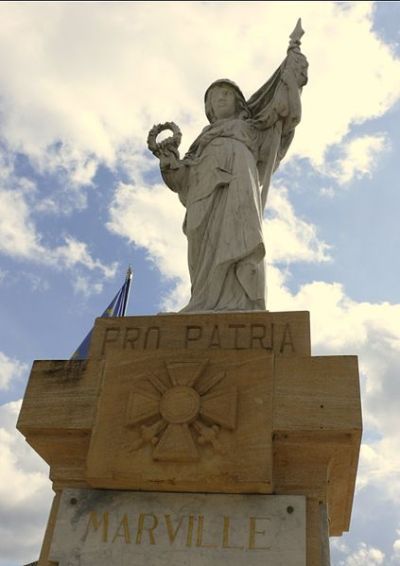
223 183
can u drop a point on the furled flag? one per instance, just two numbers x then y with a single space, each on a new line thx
117 307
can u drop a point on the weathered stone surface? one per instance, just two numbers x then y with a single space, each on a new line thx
109 527
223 182
281 333
317 431
230 403
254 418
58 412
185 421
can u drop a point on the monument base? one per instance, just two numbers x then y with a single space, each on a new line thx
227 404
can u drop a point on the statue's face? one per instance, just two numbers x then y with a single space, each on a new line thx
223 101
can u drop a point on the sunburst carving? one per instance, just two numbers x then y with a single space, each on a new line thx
182 409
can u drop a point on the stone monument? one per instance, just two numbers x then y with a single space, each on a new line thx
224 178
210 436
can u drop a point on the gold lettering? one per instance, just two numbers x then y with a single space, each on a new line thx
226 534
132 335
200 529
171 532
258 332
287 339
236 339
193 333
215 340
125 528
189 537
253 532
107 340
95 523
155 331
142 527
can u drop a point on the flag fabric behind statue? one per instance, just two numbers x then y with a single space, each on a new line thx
117 307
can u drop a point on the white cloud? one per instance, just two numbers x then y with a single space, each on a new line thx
19 235
396 546
73 253
152 218
177 298
82 285
347 86
289 238
10 369
17 232
359 158
74 100
364 556
20 239
25 492
379 465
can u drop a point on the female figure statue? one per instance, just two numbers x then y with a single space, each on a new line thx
223 182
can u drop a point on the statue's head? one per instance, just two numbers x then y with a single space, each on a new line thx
224 99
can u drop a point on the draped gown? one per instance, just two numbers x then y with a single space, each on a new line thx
223 183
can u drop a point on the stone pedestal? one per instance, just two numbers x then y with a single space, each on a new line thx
211 404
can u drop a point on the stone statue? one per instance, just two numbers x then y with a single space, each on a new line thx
223 182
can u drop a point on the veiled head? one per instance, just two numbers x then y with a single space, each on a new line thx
224 99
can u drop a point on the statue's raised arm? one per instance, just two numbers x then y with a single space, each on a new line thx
276 109
224 178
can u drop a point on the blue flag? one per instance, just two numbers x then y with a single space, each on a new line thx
117 307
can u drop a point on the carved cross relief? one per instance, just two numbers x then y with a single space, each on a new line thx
181 409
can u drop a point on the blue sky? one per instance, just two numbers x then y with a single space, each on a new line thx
81 198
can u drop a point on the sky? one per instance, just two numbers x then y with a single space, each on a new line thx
81 198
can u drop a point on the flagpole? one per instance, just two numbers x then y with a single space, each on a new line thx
128 280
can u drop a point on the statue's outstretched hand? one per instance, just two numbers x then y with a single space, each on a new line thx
167 149
169 158
295 71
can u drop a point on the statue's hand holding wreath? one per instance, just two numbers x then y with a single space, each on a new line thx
166 150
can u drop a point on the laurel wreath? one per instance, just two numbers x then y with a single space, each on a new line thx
171 143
